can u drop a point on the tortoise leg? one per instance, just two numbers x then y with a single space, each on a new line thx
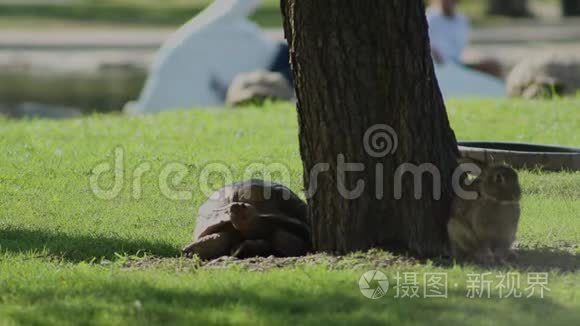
252 248
286 244
211 246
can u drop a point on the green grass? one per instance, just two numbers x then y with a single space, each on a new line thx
57 238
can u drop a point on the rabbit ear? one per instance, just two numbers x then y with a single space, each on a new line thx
467 159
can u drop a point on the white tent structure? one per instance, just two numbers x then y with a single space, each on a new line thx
459 81
197 64
195 67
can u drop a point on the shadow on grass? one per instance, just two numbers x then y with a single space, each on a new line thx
536 260
78 248
547 259
84 248
225 305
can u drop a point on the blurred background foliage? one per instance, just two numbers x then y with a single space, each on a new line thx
175 12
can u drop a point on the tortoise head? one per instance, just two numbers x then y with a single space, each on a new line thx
244 217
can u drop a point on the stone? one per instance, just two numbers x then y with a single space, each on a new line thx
259 85
545 76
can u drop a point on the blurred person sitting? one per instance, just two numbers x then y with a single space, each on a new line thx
449 34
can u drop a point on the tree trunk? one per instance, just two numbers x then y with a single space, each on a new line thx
359 66
571 7
512 8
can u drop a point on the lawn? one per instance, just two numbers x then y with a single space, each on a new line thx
68 257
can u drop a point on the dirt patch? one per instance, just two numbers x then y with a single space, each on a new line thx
368 260
529 259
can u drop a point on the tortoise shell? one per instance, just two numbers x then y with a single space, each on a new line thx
268 198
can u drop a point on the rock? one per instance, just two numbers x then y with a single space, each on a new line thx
258 85
545 75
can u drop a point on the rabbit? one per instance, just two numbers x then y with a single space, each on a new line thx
484 229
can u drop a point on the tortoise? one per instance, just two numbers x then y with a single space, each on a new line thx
248 219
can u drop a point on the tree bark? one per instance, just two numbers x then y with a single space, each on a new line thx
570 8
512 8
359 65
